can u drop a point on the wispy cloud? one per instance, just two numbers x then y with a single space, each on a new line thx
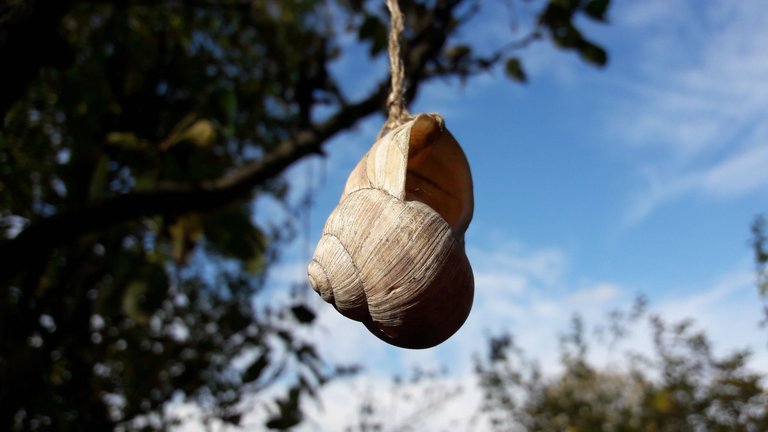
512 268
535 314
597 294
694 108
739 174
728 310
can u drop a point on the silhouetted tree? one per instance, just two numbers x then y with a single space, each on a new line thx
135 137
682 386
760 244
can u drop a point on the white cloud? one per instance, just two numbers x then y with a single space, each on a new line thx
512 263
737 175
740 174
442 403
726 310
535 314
287 274
596 294
696 103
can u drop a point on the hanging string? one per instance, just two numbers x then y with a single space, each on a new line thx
397 111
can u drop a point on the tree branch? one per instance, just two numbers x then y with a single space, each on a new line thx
36 241
39 238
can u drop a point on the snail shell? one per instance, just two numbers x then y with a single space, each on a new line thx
392 252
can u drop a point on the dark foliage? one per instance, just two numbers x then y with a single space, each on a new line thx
682 386
135 137
760 245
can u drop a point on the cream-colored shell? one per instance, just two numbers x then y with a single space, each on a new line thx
392 252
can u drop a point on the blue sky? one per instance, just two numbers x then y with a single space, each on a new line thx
591 186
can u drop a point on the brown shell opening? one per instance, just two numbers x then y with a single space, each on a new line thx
437 172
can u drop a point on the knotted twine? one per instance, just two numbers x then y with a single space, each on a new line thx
397 111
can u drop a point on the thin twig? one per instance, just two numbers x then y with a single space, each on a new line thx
33 245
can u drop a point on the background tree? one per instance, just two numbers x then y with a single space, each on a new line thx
135 137
760 244
682 386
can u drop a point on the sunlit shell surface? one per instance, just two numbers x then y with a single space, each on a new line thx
392 252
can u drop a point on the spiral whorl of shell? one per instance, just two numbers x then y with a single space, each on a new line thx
392 252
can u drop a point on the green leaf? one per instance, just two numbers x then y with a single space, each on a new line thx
353 5
231 233
146 180
596 9
514 70
185 232
200 133
303 314
566 36
132 301
228 105
567 5
125 140
290 413
592 53
457 53
375 31
100 178
254 371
